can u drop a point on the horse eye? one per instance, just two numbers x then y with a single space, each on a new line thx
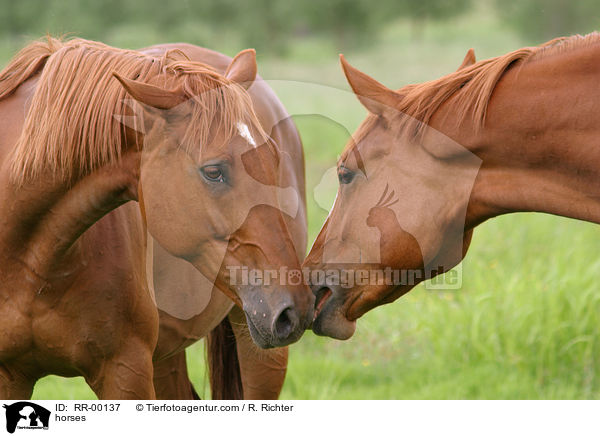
213 173
345 176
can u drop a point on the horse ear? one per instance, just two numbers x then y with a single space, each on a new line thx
151 95
376 97
242 68
468 60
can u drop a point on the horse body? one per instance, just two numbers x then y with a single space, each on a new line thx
517 133
61 308
75 294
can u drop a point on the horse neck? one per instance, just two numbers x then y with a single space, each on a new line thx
539 145
46 218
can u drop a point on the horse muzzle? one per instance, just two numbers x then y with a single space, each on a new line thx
275 324
329 317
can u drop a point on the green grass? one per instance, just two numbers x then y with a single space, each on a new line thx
526 323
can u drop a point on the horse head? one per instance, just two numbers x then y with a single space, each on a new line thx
212 193
400 206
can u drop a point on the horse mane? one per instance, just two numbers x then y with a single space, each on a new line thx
472 86
72 126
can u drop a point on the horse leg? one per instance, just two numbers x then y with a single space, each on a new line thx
127 374
14 385
262 371
171 380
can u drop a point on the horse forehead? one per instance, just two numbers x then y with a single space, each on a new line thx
371 136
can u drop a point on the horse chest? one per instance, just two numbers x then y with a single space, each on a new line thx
18 286
66 321
15 318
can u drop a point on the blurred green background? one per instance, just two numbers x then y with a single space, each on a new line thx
526 323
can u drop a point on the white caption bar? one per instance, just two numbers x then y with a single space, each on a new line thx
363 418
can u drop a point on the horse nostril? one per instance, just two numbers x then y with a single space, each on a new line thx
285 324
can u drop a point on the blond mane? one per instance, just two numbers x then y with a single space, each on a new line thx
72 125
472 86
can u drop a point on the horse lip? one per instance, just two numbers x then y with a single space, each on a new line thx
321 298
350 304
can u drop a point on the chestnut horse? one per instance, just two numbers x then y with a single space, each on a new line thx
237 367
516 133
75 258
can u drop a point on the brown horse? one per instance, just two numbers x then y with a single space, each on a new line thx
238 368
74 257
516 133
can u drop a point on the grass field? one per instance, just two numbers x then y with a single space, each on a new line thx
526 323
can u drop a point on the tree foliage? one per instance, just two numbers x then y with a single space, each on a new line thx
541 20
267 24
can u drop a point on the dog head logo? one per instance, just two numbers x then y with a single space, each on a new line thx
26 415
